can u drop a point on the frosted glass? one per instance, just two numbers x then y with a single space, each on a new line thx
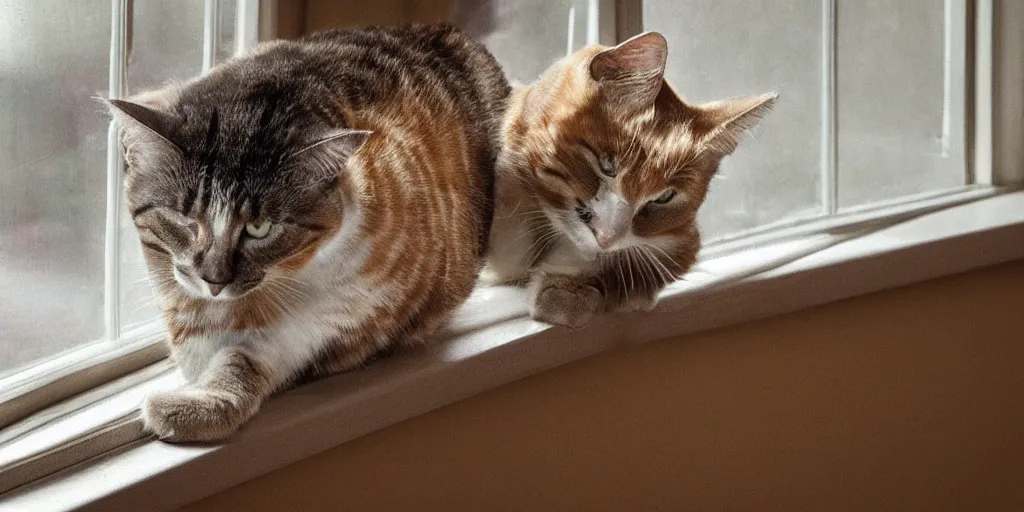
53 138
526 36
895 99
729 48
166 42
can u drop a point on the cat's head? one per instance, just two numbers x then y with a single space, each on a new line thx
230 187
614 156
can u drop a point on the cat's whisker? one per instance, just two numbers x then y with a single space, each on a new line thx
292 289
648 274
622 276
536 229
637 261
547 245
658 271
663 253
283 295
542 243
668 275
152 301
629 266
538 213
295 287
276 303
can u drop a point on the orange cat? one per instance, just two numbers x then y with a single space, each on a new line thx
600 176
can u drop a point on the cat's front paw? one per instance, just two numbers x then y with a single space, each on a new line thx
193 415
568 305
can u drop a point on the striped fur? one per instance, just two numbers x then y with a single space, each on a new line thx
367 158
601 173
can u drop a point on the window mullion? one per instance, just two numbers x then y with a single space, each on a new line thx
211 33
601 22
949 20
829 110
120 16
247 25
1006 82
980 169
628 19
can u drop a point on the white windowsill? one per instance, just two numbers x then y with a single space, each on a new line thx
491 342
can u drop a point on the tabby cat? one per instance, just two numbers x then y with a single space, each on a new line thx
307 206
600 175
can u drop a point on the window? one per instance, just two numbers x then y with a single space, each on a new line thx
885 104
873 94
526 36
52 161
64 248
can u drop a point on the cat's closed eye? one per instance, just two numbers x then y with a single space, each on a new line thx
554 174
182 220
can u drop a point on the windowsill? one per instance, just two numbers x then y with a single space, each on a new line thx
491 342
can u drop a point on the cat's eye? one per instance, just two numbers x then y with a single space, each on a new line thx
552 173
257 230
665 197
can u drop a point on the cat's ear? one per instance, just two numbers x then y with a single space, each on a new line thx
726 121
330 151
632 73
135 117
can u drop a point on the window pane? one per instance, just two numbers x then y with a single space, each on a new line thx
730 48
526 36
53 138
166 43
226 42
901 106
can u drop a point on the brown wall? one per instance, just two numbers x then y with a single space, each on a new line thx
910 399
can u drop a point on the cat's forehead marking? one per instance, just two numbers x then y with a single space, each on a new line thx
220 218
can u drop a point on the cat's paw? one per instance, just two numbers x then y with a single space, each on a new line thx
568 305
192 415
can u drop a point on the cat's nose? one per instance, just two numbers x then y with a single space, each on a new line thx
612 223
607 238
215 287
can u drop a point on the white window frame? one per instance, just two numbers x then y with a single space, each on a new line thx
491 342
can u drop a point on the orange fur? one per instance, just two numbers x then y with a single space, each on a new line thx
607 107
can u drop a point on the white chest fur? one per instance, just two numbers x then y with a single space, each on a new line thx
334 298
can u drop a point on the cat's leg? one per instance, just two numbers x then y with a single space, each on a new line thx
228 393
566 300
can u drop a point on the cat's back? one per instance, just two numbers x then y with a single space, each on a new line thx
379 67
